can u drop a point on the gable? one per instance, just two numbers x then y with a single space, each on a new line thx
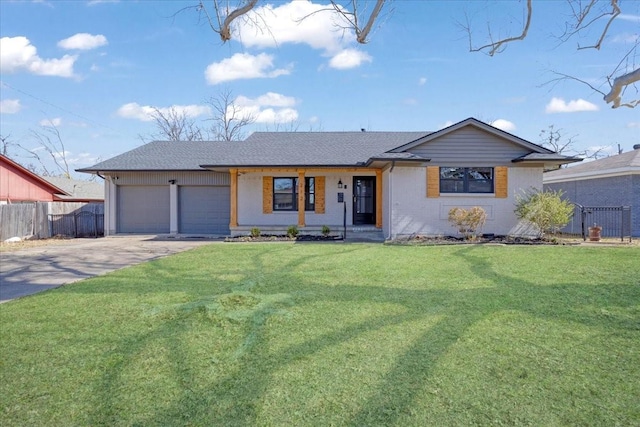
469 145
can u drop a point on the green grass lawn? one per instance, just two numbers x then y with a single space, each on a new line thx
333 334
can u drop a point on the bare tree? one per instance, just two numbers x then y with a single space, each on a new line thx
50 146
221 16
175 125
553 139
585 15
5 145
229 119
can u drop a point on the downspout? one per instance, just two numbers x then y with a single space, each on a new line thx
390 197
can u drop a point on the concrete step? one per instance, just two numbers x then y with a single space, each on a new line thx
364 234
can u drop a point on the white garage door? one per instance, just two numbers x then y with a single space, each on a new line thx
203 210
143 209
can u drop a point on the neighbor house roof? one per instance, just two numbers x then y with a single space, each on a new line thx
620 164
78 190
16 168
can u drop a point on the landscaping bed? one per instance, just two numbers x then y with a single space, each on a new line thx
284 238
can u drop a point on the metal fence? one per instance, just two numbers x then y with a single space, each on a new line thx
614 220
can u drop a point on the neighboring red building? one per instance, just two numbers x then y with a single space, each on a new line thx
18 184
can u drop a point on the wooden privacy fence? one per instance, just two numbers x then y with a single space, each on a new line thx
47 219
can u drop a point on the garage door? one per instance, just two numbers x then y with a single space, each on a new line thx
203 210
143 209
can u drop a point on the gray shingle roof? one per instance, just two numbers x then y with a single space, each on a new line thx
260 149
629 160
77 189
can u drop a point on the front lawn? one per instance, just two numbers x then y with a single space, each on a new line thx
333 334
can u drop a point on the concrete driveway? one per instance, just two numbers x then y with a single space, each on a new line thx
31 270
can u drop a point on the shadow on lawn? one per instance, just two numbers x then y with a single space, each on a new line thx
236 398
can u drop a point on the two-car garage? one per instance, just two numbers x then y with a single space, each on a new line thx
196 207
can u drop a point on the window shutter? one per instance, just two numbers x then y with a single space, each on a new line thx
319 208
267 194
501 182
433 181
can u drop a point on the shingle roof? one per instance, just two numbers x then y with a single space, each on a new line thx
163 155
260 149
626 161
76 189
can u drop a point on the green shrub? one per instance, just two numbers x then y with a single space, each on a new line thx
292 231
545 209
468 222
255 232
326 230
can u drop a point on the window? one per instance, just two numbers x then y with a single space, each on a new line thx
285 194
466 180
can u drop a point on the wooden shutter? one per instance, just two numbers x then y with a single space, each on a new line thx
319 207
267 194
501 182
433 181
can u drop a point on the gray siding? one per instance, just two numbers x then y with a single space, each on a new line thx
613 191
469 147
181 177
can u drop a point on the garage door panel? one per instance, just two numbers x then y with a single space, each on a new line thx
204 210
143 209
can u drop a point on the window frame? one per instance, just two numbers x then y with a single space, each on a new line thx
309 190
467 179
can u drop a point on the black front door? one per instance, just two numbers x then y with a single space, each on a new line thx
364 200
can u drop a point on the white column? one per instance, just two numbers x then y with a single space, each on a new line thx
110 206
173 208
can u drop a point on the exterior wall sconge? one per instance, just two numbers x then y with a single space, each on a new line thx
340 183
172 181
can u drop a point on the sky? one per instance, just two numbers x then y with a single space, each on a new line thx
95 69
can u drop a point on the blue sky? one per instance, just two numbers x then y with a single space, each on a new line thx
94 68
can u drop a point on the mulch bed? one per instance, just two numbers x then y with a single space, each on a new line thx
283 238
484 239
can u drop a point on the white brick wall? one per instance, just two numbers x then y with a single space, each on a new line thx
414 213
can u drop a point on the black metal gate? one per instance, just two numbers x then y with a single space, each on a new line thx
614 220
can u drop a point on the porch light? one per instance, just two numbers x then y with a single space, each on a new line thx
340 183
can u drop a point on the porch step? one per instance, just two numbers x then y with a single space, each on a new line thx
364 234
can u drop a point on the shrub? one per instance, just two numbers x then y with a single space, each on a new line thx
255 232
545 209
325 230
468 222
292 231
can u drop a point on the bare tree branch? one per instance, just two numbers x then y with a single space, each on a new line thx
352 18
229 120
499 45
224 18
51 142
617 87
175 125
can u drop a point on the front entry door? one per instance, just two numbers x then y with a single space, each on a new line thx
364 201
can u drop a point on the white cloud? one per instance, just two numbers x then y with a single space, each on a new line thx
631 18
633 125
446 124
83 41
626 38
243 66
422 81
300 22
271 108
558 105
57 121
503 124
18 54
349 58
10 106
144 113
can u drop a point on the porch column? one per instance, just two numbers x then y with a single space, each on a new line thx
110 206
378 198
234 198
301 199
173 208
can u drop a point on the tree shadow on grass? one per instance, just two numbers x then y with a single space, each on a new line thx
235 398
